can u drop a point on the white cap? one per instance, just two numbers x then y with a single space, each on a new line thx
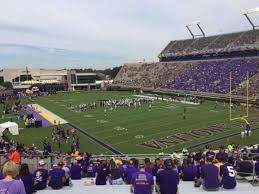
41 162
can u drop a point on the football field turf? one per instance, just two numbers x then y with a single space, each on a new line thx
143 130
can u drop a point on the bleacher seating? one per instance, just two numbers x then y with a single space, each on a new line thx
239 41
253 89
209 76
213 76
150 75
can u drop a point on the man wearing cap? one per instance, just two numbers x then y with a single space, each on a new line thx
57 177
142 182
40 176
168 179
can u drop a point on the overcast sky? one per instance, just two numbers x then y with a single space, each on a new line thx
106 33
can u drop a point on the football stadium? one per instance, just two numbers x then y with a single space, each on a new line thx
186 123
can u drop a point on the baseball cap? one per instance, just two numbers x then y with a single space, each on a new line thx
41 162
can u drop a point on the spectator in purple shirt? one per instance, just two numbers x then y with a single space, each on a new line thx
156 166
210 153
9 185
190 172
148 166
115 174
26 178
228 174
142 182
57 177
123 168
90 170
102 174
209 174
130 171
257 166
40 176
67 173
221 154
76 170
234 159
168 179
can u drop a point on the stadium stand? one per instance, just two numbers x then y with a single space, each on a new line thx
150 75
200 66
239 41
209 76
213 76
241 90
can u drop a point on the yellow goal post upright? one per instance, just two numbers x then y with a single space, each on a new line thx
244 118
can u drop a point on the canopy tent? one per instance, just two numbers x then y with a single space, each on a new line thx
11 126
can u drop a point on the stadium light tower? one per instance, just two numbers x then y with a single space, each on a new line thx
249 12
196 23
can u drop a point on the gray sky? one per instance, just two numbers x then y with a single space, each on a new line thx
106 33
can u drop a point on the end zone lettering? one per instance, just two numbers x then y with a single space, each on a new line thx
175 139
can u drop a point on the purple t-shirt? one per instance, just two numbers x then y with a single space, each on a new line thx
12 187
190 172
102 176
129 173
56 178
75 171
228 176
142 182
28 182
115 173
234 161
1 176
209 173
168 180
40 178
149 170
90 171
257 168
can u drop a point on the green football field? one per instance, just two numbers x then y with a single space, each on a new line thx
142 130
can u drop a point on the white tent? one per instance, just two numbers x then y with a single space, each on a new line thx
11 126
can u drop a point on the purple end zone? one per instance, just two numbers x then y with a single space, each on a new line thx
45 122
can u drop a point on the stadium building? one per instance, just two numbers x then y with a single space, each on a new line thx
61 79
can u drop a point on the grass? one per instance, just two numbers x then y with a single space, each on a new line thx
126 129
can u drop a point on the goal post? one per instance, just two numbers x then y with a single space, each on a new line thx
244 118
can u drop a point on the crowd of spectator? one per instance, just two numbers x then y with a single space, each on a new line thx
150 75
211 76
214 76
209 168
